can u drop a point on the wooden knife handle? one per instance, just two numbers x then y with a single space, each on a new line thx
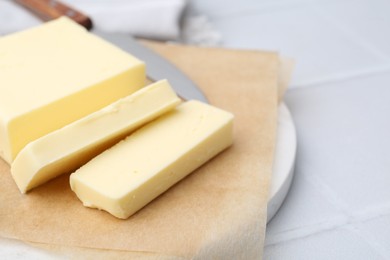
52 9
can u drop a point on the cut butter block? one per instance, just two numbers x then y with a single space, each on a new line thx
126 177
69 147
54 74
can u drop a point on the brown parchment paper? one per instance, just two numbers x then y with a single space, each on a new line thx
219 211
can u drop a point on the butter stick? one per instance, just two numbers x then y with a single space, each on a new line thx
126 177
57 73
69 147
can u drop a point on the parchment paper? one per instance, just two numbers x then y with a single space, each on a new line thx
219 211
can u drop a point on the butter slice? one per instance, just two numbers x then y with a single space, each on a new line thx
126 177
54 74
69 147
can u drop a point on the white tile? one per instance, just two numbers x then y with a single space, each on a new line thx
369 21
15 18
229 8
334 244
223 8
343 139
377 232
322 51
304 211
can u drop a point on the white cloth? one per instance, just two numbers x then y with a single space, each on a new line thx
156 19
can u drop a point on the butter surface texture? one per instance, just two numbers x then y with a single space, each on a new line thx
67 148
132 173
54 74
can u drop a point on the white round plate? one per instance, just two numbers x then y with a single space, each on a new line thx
285 153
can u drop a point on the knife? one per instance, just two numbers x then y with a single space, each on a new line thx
157 67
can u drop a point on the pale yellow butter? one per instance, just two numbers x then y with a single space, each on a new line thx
54 74
69 147
129 175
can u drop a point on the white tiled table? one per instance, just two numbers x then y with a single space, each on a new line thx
339 203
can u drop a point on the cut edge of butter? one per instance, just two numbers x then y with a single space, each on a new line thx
69 147
129 175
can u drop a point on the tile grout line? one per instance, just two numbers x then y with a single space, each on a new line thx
341 77
353 218
344 28
306 231
325 226
329 193
352 74
373 243
346 219
276 7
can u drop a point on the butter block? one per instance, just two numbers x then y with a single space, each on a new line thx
69 147
126 177
54 74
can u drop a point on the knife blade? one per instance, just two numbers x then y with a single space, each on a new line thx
157 67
